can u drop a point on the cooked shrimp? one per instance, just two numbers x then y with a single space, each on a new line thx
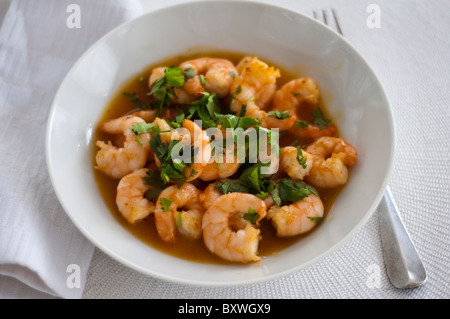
195 137
265 88
209 195
147 115
120 161
296 218
130 198
236 240
296 93
218 76
251 84
331 156
313 132
220 165
180 94
302 92
200 141
184 212
290 162
214 171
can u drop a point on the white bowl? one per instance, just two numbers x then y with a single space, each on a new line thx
351 91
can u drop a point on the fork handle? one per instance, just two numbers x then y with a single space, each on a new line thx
403 264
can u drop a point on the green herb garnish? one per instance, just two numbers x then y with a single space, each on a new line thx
315 219
301 158
252 216
189 73
319 120
291 191
163 88
279 115
165 202
300 124
202 79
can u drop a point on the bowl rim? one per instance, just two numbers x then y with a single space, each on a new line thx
231 283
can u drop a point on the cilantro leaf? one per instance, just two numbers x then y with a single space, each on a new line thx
235 122
301 158
174 77
252 216
165 202
315 219
294 191
272 189
319 120
141 128
279 115
154 180
162 89
189 73
206 109
300 124
202 79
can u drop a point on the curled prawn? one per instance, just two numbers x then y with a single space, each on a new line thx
209 195
227 234
218 76
253 82
331 157
192 135
119 161
295 165
223 164
179 209
298 217
297 94
130 197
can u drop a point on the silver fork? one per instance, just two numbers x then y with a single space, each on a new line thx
403 264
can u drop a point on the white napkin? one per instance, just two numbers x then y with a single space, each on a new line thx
39 42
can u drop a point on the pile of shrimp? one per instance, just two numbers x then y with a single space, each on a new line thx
197 209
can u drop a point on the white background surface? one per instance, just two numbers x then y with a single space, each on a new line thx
410 54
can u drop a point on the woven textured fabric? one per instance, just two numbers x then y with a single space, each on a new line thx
38 242
409 53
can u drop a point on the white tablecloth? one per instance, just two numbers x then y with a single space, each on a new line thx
410 54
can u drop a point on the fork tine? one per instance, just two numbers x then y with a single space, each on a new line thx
336 20
325 17
315 15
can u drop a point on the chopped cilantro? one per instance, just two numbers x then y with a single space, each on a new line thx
315 219
202 79
279 115
252 216
189 73
141 128
206 109
296 94
174 77
162 89
300 124
291 191
154 180
165 202
301 158
319 120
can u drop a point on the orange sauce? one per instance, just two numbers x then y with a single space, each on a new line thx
145 230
